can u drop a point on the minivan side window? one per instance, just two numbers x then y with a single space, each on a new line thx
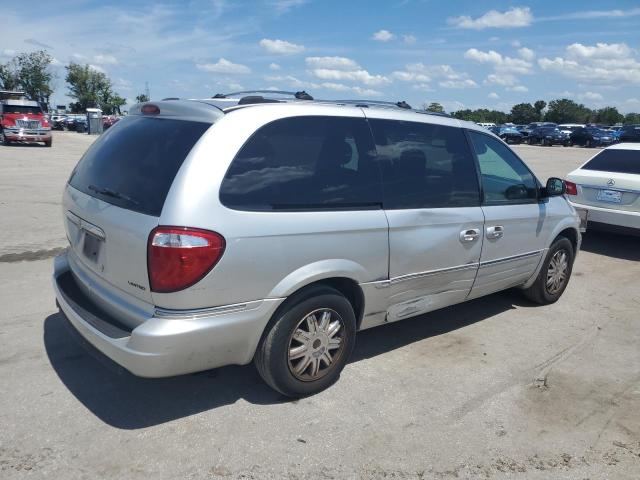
425 165
505 178
305 163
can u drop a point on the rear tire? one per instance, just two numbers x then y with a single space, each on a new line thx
587 144
3 139
553 278
307 343
48 144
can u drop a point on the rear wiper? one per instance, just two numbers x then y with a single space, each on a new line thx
112 193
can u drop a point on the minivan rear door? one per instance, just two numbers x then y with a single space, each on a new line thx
114 198
432 203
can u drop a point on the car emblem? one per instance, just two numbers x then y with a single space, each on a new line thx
611 182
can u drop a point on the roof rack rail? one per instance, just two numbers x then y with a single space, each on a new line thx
170 98
298 95
366 103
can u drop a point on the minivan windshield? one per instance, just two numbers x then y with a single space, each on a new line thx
614 160
133 164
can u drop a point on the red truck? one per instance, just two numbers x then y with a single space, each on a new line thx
22 120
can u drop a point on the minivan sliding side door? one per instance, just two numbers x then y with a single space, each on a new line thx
432 202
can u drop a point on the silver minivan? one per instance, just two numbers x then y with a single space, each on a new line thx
205 233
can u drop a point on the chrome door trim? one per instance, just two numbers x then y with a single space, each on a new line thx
509 259
86 226
428 273
169 314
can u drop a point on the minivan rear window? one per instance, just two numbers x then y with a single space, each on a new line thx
133 164
620 161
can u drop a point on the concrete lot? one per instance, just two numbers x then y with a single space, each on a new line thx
495 388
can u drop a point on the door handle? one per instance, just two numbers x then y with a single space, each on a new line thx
469 235
495 232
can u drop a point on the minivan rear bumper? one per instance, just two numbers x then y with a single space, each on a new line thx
170 342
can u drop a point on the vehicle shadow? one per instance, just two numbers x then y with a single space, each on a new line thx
125 401
624 247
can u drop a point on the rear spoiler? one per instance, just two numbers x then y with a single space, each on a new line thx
193 110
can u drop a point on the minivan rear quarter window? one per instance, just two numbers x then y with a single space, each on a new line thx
614 160
133 164
305 163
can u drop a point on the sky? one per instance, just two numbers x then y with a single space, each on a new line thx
462 54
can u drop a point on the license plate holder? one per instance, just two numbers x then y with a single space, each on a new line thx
91 247
609 196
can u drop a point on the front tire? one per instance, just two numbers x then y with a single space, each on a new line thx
554 275
308 343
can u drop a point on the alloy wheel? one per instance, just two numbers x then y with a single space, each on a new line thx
557 272
316 344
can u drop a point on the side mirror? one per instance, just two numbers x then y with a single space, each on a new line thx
555 187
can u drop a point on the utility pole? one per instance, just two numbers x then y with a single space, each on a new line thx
146 90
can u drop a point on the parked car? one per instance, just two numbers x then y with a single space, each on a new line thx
109 121
23 121
590 137
57 122
615 131
509 134
608 186
630 133
314 221
547 136
569 128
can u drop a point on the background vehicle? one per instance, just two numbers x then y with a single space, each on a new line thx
23 121
630 133
354 217
508 133
590 137
569 128
109 121
547 136
608 186
57 122
486 124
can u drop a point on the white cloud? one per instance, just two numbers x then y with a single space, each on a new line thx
295 82
7 52
224 66
274 66
409 39
512 18
600 50
334 63
603 64
97 68
105 59
383 36
283 6
527 54
361 76
343 69
518 88
502 63
502 80
467 83
280 47
590 14
493 96
593 96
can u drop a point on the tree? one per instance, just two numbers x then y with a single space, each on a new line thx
567 111
539 106
434 107
92 88
524 113
481 115
142 98
632 118
608 116
29 72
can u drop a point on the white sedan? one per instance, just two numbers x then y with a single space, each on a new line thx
608 187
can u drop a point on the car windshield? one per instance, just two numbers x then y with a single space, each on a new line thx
615 160
22 109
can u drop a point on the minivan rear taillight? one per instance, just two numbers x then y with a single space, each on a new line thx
178 257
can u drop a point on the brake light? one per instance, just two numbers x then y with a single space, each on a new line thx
150 109
178 257
571 188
